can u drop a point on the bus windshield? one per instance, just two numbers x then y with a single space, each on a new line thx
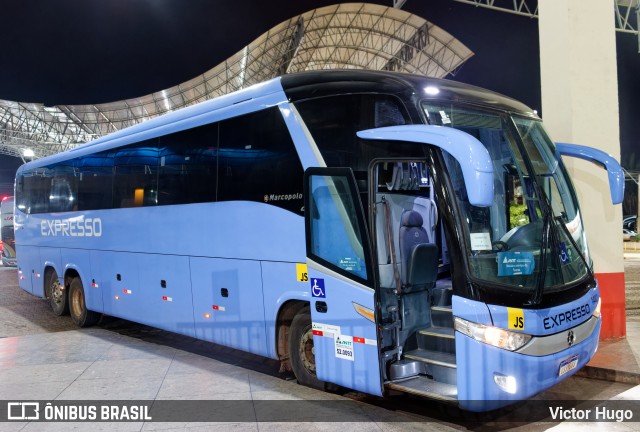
531 238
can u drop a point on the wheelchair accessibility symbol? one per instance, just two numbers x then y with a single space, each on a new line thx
317 288
564 256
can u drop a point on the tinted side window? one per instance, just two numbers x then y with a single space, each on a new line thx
95 181
38 184
258 161
22 201
135 182
188 170
63 196
333 123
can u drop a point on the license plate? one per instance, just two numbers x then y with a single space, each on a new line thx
568 365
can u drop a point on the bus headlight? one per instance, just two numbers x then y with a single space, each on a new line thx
596 311
491 335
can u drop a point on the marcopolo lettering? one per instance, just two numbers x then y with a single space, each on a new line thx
566 317
286 197
89 227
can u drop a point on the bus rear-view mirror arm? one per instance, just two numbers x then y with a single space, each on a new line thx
604 160
473 157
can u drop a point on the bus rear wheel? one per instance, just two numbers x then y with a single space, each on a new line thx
78 307
301 352
57 295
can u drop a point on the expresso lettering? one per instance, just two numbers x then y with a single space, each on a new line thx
90 227
566 317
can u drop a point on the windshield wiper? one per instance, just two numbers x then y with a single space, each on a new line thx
575 245
536 296
550 243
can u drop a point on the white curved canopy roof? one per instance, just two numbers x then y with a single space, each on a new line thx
352 36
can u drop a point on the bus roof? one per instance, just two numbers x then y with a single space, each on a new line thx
306 85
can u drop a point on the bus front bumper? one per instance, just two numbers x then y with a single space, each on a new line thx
481 366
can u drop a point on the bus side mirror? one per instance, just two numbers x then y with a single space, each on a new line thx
602 159
474 159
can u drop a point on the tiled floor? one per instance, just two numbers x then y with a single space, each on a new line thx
98 364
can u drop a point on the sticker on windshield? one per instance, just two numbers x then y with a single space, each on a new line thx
515 263
565 257
443 116
349 264
480 241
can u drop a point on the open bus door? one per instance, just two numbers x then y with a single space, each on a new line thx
341 281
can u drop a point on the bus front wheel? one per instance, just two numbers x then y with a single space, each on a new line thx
57 295
301 353
78 307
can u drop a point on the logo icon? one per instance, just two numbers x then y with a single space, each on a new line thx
571 338
23 411
317 288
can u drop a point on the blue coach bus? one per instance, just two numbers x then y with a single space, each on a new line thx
368 229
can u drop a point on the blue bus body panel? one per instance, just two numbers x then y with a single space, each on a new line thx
281 284
345 343
551 320
471 310
116 277
230 229
93 287
28 263
165 289
185 247
230 292
479 392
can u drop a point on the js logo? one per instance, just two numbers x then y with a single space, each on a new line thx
516 318
301 273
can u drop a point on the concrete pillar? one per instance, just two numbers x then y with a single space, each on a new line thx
580 106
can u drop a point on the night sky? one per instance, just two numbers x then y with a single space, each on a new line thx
80 52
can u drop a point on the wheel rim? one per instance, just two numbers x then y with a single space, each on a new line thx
57 292
307 353
77 302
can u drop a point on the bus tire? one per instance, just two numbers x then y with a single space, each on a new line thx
78 307
57 295
301 351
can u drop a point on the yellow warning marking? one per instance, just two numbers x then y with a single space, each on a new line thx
301 273
516 319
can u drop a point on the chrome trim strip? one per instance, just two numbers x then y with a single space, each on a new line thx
546 345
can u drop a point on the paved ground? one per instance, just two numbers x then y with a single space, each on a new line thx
632 285
23 314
